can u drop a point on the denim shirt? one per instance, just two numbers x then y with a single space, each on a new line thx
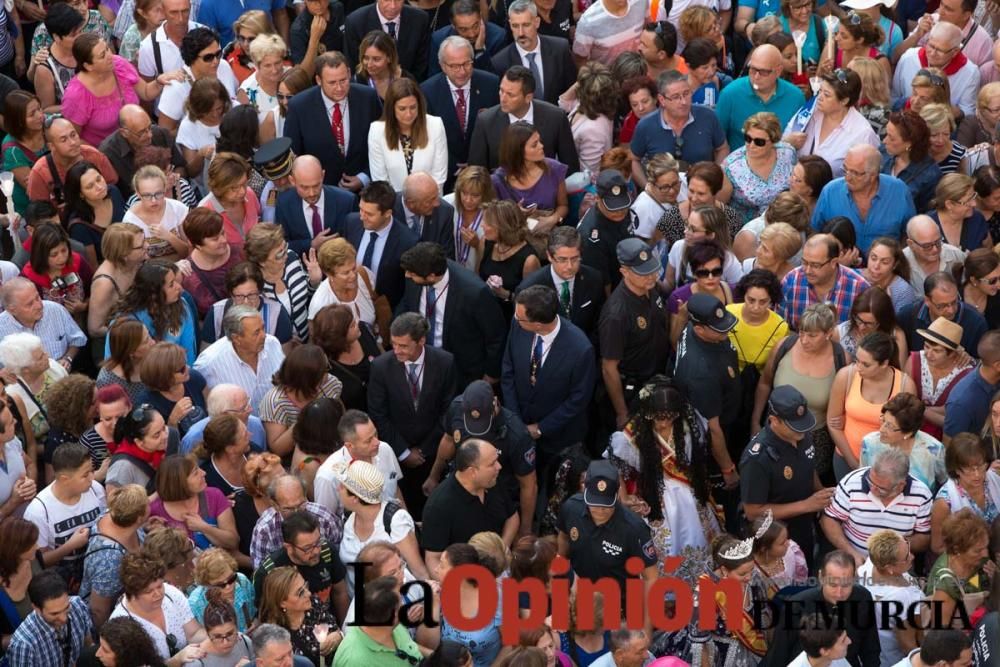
920 177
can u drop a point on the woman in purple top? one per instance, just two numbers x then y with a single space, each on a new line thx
185 501
531 180
705 259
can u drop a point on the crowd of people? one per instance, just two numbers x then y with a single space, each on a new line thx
306 305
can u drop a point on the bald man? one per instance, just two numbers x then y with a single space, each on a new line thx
137 131
310 212
428 216
944 51
876 204
762 89
66 150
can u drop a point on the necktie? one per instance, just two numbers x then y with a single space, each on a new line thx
414 383
460 109
429 308
370 250
338 127
390 27
417 225
565 300
317 222
536 359
535 72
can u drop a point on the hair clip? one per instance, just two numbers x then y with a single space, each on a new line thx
738 551
768 520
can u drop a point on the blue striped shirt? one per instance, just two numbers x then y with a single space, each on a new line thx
57 329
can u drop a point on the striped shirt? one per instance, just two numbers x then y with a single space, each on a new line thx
298 293
799 294
57 329
861 513
219 364
602 36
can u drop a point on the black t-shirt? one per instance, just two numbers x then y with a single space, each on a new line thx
633 330
775 471
246 516
332 39
320 578
560 20
708 374
599 244
452 514
213 478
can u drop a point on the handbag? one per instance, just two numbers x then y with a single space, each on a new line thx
383 311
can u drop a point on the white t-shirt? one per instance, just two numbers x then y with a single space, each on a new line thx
13 453
57 522
175 95
649 211
326 484
264 102
193 135
174 213
364 309
802 660
176 614
350 546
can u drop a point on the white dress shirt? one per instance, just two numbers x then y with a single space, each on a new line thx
528 117
307 211
538 60
345 113
362 306
547 341
220 365
383 20
382 234
454 98
557 283
440 303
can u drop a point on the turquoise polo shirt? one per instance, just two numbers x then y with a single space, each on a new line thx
738 101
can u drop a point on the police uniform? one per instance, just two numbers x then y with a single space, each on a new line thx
599 237
274 161
601 551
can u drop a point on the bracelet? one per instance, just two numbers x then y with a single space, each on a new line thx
731 469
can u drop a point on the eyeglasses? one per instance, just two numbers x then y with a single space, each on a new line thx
853 173
309 548
706 273
152 196
933 47
459 66
930 245
679 97
971 201
228 582
815 265
758 71
756 141
49 119
223 639
562 261
211 57
678 146
864 324
883 490
171 643
935 79
989 281
951 305
403 655
889 427
290 510
676 185
246 298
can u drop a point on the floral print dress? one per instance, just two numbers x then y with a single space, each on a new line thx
751 193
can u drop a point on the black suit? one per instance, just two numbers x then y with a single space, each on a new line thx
438 227
484 92
564 385
474 329
558 67
548 119
309 127
413 37
337 203
389 279
405 426
588 296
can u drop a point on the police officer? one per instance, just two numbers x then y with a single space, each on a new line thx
706 371
598 534
477 414
607 222
274 161
778 472
633 332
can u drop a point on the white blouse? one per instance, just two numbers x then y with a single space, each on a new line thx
854 130
363 305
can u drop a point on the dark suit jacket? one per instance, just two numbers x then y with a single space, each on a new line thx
390 404
337 203
484 92
474 327
412 40
308 125
563 387
390 279
588 296
496 38
558 67
553 129
439 227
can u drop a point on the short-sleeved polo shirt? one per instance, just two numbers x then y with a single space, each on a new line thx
633 331
452 514
738 101
701 136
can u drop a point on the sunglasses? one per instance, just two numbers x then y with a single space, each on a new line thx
228 582
756 141
402 655
935 79
854 18
49 119
841 75
211 57
705 273
678 147
990 281
140 412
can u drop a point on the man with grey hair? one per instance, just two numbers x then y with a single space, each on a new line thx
246 356
421 208
927 252
882 496
287 495
456 94
227 399
626 648
272 646
136 131
691 133
943 50
26 312
547 56
876 204
467 22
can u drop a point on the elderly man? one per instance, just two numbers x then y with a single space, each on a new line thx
467 22
137 131
927 252
990 70
66 150
877 204
820 279
312 213
227 399
944 51
691 133
941 299
456 96
883 495
288 495
977 45
547 56
272 646
246 356
608 28
626 648
762 90
26 312
429 217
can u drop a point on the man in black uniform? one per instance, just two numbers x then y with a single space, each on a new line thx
607 222
778 473
598 534
707 372
633 330
477 414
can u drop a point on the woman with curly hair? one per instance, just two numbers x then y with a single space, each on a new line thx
124 643
661 454
592 103
72 408
155 300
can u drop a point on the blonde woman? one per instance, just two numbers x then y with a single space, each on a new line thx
787 207
875 103
247 27
158 216
473 190
949 154
663 189
929 86
292 82
777 248
981 127
760 169
348 283
955 212
216 568
260 89
124 248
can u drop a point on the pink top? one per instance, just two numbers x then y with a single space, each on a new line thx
98 116
215 504
236 233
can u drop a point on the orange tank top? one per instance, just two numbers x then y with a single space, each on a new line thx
862 417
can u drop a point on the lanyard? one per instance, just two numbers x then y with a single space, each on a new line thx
463 247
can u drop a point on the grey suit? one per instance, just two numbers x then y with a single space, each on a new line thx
558 67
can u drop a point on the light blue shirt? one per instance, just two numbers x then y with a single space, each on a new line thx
891 208
382 236
57 329
258 439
